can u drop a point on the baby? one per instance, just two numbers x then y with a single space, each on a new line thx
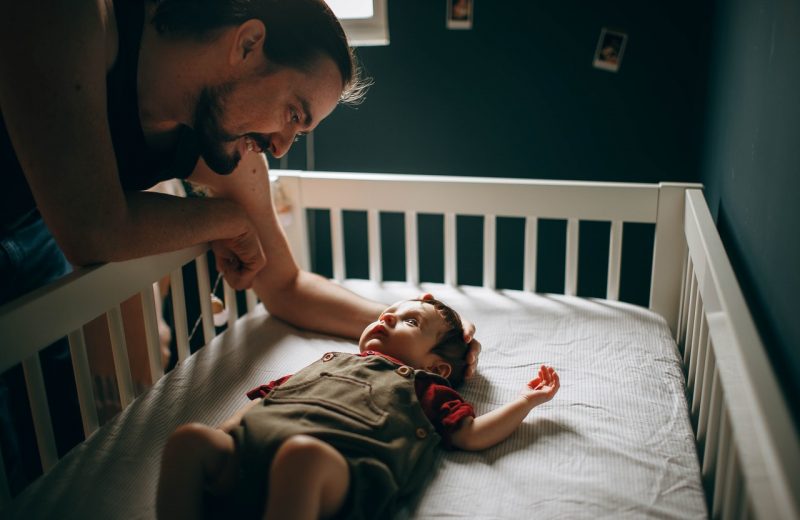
349 434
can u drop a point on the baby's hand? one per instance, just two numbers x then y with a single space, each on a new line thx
542 388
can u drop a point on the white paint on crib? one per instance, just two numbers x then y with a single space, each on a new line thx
83 381
122 368
179 314
412 254
614 260
204 290
489 251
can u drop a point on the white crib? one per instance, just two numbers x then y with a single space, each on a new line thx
746 442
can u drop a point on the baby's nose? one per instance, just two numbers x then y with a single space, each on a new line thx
389 319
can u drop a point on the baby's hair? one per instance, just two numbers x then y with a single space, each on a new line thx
451 347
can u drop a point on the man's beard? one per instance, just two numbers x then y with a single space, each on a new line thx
211 137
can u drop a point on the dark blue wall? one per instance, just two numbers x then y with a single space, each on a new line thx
752 166
517 96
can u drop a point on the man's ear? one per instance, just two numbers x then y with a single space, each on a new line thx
248 37
441 368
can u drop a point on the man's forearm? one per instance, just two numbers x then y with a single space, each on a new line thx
301 298
316 303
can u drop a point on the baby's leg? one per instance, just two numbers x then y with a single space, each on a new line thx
197 458
308 479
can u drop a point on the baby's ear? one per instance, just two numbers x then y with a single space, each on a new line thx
441 368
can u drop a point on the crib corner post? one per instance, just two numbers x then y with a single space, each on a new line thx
669 251
294 216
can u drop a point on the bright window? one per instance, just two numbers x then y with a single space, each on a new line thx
364 21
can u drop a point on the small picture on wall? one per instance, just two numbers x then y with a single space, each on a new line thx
610 47
459 14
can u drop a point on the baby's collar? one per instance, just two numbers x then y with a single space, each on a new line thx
381 354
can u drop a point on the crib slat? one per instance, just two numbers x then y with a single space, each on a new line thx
489 251
699 368
614 260
83 382
450 260
697 323
122 367
684 308
697 343
571 275
705 394
712 433
231 304
732 491
179 314
723 463
412 258
151 332
693 295
337 244
204 290
37 395
374 240
531 239
251 299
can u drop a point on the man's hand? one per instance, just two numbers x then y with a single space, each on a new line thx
542 388
239 259
469 338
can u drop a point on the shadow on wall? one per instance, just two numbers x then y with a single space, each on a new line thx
779 353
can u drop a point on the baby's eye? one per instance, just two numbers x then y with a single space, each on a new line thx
412 321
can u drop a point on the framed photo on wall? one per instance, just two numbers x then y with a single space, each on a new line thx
609 51
459 14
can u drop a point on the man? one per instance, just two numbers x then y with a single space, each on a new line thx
101 99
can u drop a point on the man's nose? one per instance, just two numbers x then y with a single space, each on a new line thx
281 143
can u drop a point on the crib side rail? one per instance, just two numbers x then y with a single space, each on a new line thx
533 200
37 319
76 299
747 442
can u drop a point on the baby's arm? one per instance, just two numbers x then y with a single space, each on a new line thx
491 428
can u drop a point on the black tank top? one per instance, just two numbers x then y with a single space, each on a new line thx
139 167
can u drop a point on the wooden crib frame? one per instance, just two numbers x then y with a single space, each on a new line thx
747 444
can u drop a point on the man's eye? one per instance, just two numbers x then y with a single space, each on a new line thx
295 116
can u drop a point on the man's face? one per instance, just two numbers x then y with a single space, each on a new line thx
263 112
407 330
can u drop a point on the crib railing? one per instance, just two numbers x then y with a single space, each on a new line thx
34 321
411 195
747 443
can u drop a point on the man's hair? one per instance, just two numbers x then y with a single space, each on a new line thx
451 346
298 32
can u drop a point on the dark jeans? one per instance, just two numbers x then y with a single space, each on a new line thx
30 258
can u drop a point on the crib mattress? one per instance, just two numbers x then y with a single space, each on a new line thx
615 442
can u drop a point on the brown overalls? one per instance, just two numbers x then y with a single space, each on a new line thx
366 408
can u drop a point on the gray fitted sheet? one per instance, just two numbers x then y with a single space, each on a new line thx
615 442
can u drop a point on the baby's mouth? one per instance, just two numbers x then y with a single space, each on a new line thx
378 329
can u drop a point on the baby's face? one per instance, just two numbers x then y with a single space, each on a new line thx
407 330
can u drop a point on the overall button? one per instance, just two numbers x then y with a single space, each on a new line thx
328 356
404 371
422 433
